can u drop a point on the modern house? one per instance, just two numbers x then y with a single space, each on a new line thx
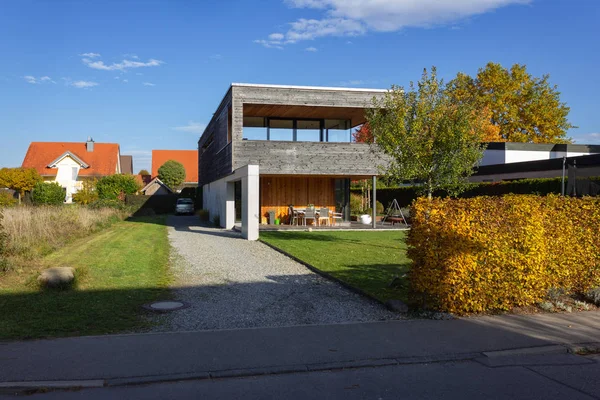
268 147
189 159
70 163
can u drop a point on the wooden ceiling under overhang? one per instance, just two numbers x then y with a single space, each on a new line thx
354 114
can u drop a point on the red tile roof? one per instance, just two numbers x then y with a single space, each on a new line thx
189 159
102 161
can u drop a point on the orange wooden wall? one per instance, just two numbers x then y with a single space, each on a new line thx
277 193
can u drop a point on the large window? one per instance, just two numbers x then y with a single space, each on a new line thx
308 131
255 128
337 130
300 130
281 129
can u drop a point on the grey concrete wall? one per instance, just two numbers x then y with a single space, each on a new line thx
308 158
296 96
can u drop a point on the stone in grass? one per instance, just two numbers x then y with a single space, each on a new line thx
397 305
57 277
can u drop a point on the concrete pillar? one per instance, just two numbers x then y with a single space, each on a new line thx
374 202
250 202
229 219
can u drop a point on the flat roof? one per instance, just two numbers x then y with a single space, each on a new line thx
341 89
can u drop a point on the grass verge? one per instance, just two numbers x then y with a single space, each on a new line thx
117 270
368 261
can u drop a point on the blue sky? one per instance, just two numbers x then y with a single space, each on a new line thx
149 74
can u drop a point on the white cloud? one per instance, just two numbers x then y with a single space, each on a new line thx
134 56
125 80
216 57
148 84
83 84
311 49
192 127
122 66
356 17
90 55
588 138
34 81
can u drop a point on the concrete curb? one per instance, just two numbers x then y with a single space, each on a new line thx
28 386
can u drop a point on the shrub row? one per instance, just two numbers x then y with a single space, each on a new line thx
496 253
541 186
160 204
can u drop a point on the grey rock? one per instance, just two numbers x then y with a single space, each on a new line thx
56 276
397 305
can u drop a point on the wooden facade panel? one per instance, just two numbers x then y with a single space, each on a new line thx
277 193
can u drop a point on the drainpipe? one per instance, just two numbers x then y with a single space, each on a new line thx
374 201
562 192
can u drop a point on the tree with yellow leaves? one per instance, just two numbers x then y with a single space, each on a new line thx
19 179
430 138
522 108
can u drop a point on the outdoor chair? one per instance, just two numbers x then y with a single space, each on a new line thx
337 215
310 214
294 216
324 215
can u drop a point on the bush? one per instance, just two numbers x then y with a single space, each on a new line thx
356 204
159 204
87 194
541 186
7 199
217 221
380 210
172 173
204 215
116 187
107 203
496 253
47 194
593 295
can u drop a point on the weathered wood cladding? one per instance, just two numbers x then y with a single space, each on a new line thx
277 193
220 159
214 153
308 158
296 96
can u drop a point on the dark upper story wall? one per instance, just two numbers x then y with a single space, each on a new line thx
214 148
307 158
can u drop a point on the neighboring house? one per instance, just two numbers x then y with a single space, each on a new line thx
156 187
127 165
508 153
70 163
268 147
587 166
189 159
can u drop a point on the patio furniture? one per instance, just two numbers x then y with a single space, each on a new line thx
324 216
294 215
310 213
337 215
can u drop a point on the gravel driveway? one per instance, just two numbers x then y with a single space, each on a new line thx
234 283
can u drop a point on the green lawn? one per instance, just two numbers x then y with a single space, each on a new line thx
366 260
117 270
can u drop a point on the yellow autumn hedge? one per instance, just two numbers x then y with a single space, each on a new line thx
496 253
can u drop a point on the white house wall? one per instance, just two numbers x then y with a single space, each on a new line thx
514 156
214 197
66 178
492 157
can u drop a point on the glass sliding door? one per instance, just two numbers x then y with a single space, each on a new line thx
342 197
338 130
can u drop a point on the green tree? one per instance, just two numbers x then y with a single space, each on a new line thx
428 138
523 107
172 174
20 179
144 172
88 193
50 193
116 187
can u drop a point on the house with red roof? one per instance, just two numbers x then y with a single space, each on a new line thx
70 163
189 159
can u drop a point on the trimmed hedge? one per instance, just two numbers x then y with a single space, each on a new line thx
47 193
541 186
160 204
496 253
